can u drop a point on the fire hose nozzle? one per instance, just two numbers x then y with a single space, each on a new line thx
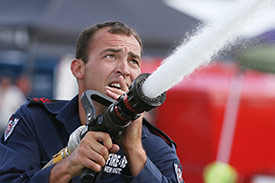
138 101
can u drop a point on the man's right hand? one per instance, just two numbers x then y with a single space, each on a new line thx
92 152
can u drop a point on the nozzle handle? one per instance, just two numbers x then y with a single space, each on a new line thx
88 176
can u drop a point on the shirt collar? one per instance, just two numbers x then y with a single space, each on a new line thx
67 114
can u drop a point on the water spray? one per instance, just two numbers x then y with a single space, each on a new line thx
201 47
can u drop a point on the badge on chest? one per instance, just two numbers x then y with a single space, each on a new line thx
115 164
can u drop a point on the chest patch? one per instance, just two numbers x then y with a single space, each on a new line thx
10 127
115 164
178 172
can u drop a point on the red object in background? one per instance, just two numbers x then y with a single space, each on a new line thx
193 113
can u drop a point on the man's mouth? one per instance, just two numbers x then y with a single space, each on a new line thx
115 85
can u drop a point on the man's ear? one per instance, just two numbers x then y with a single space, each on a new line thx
77 68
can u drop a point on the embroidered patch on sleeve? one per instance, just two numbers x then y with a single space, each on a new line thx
10 127
178 172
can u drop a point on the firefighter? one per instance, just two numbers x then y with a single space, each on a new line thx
108 59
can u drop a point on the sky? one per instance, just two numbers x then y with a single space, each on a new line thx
209 10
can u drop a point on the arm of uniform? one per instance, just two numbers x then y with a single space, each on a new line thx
21 156
162 165
14 168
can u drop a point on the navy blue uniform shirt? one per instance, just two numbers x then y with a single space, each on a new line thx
39 129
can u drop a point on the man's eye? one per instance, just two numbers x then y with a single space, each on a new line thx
134 61
110 56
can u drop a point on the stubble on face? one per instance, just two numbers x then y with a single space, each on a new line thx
100 70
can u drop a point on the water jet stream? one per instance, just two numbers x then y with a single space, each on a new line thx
201 47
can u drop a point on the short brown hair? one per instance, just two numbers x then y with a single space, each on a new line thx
84 39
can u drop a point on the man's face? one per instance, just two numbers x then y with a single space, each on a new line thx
110 56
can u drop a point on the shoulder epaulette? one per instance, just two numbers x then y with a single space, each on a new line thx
52 106
160 133
40 100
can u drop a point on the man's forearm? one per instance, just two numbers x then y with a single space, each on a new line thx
59 173
136 160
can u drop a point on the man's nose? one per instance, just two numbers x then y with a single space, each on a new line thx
123 68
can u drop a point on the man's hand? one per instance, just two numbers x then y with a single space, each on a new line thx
92 152
130 141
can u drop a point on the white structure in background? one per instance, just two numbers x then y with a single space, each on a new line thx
263 179
209 10
65 83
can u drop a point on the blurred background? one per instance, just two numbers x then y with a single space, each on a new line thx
222 112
